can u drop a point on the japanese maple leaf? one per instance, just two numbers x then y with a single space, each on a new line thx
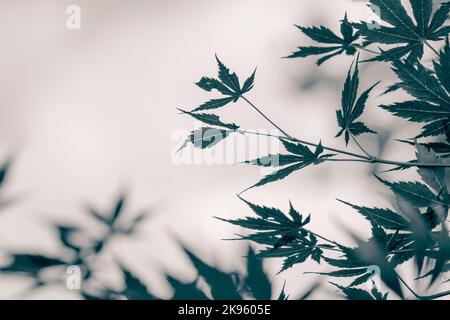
400 29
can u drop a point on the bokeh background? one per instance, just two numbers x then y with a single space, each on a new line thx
89 113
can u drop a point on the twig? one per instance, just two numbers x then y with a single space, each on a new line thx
312 144
267 118
323 238
358 46
431 47
361 158
420 297
347 160
360 147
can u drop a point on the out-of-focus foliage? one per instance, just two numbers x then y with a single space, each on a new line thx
83 250
416 227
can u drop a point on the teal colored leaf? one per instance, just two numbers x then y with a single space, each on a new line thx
301 157
442 66
393 12
436 177
273 227
445 269
210 119
373 252
118 208
293 254
210 84
185 291
283 296
416 193
343 273
249 83
4 170
352 107
433 129
383 217
30 264
418 111
278 175
422 10
214 104
230 79
354 293
66 234
361 279
223 285
257 281
304 52
336 44
205 137
134 288
284 235
277 160
401 29
228 85
432 106
298 149
437 25
421 83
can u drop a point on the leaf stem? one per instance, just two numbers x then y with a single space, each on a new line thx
431 47
323 238
267 118
430 297
360 158
291 138
360 147
358 46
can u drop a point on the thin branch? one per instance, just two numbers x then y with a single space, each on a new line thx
431 47
324 247
358 46
267 118
291 138
410 164
406 250
360 157
347 160
323 238
360 147
437 295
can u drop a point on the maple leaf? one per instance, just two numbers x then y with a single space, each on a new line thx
352 107
228 85
401 29
300 157
431 92
337 44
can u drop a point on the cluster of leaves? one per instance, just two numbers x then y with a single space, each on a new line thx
396 238
210 283
401 30
228 85
85 250
299 157
416 228
284 235
335 44
79 248
431 92
398 30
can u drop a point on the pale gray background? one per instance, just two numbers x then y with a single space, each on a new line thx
88 113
